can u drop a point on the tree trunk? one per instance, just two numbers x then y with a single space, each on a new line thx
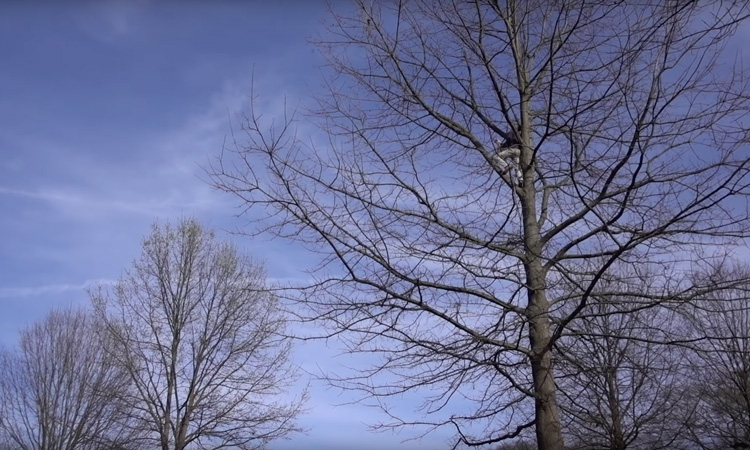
548 429
618 440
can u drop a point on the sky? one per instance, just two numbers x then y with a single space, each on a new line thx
109 111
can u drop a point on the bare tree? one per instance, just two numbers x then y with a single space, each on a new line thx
200 337
482 154
621 387
518 445
59 390
721 367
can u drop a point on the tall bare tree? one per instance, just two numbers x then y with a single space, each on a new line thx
200 337
479 155
59 390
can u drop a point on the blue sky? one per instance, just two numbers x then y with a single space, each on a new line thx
108 109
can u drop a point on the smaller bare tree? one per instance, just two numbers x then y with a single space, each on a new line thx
59 390
200 337
722 363
517 445
620 384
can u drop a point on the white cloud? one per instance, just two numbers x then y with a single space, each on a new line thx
84 204
108 20
33 291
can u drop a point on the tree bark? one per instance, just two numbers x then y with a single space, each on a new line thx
548 429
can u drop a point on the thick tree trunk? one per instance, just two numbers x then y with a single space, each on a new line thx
548 429
617 438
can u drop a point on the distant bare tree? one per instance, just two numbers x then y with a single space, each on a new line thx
722 365
621 386
59 390
479 155
200 337
517 445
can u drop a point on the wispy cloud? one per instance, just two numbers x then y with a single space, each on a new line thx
79 203
33 291
108 20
